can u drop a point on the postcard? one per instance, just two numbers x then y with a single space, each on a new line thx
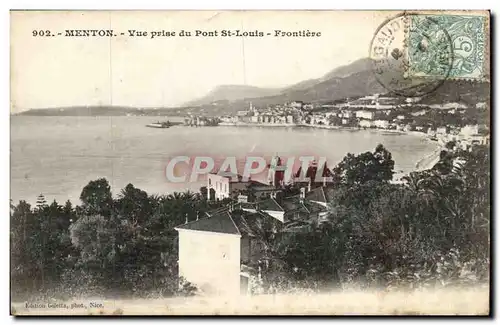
250 163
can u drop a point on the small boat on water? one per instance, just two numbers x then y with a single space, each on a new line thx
159 125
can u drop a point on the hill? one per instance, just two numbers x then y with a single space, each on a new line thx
231 93
350 81
96 111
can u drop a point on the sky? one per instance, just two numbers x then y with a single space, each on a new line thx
141 71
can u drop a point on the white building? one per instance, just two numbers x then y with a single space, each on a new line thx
469 130
481 105
215 251
419 113
365 114
296 104
442 130
382 124
210 254
365 123
346 114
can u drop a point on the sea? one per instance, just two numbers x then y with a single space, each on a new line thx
58 156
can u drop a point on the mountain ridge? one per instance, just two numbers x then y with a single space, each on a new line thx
231 93
349 81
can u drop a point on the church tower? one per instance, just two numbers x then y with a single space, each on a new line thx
276 172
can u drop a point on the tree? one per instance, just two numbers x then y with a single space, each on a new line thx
95 238
40 243
204 192
369 166
22 260
96 197
133 204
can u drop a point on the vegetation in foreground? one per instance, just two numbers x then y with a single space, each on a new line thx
433 230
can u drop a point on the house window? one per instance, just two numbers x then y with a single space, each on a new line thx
224 249
209 182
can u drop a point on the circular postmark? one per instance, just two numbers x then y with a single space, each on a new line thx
411 54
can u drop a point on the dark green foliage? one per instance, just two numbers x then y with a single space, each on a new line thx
106 246
433 229
369 166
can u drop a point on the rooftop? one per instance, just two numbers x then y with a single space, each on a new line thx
317 194
270 205
224 221
220 222
240 179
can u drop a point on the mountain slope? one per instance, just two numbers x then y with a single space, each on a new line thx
231 93
349 69
350 81
241 92
339 72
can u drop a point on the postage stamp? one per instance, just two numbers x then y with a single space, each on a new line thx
427 41
411 70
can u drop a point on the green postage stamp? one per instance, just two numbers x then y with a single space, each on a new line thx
450 46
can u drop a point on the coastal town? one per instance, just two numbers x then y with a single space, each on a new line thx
237 255
450 122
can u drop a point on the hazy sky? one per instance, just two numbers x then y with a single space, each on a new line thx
167 71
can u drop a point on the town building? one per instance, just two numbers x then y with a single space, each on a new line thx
221 254
441 130
382 124
221 187
365 123
469 130
368 115
297 104
347 114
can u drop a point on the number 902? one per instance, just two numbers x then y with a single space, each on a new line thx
41 33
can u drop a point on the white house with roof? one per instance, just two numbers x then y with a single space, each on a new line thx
210 251
223 186
218 253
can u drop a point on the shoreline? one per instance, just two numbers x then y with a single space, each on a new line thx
424 163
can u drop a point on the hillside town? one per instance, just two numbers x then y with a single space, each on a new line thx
233 255
440 122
